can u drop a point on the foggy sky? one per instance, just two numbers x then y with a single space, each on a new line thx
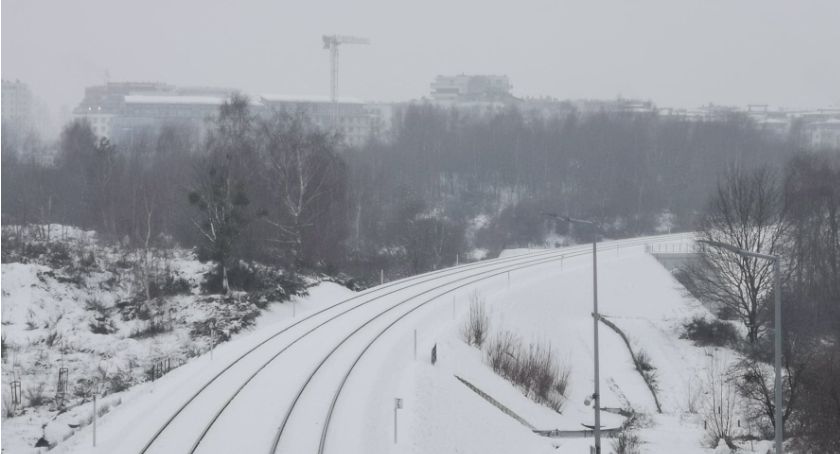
676 53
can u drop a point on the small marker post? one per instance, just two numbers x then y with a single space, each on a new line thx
398 404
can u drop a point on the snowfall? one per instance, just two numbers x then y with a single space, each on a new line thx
539 299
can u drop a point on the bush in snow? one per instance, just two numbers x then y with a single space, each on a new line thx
264 284
534 369
477 326
627 442
37 395
101 323
710 333
229 315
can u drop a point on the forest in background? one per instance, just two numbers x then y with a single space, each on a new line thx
443 184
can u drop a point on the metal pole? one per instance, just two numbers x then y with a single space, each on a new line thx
778 329
595 317
94 418
381 277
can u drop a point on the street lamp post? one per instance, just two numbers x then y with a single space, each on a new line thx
777 284
596 396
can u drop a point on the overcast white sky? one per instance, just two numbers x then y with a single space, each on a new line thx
674 52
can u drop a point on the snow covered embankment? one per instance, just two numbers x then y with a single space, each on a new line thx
73 303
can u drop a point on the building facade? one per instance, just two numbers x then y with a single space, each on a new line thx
17 103
123 111
471 88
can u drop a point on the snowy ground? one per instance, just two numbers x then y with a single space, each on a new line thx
548 301
46 326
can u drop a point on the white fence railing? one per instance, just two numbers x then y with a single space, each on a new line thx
674 248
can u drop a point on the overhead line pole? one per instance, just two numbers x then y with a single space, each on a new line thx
777 328
596 396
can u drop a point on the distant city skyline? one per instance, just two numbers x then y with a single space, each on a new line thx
676 54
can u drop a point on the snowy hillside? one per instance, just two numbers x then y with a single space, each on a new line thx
553 305
71 302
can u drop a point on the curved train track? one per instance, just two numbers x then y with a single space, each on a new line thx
438 286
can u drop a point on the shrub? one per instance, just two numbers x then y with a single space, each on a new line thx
52 337
87 260
119 381
230 316
101 323
83 387
710 333
37 395
535 370
58 255
151 329
478 324
500 353
170 285
643 361
627 442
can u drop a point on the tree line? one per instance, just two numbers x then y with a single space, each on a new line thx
270 189
444 182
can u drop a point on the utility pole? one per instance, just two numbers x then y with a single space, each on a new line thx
596 317
777 327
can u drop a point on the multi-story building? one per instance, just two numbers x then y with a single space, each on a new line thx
471 88
823 133
18 103
356 121
122 111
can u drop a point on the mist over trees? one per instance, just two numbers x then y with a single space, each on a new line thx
634 173
278 191
444 183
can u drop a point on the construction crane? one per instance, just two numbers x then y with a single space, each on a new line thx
332 42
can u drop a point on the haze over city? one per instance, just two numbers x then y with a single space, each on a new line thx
675 53
392 227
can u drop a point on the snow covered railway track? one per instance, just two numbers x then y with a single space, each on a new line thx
443 289
266 352
365 297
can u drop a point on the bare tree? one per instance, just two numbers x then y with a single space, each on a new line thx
304 175
747 212
754 382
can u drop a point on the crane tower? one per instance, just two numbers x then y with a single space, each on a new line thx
331 42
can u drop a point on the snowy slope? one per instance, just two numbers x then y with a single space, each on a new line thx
368 353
